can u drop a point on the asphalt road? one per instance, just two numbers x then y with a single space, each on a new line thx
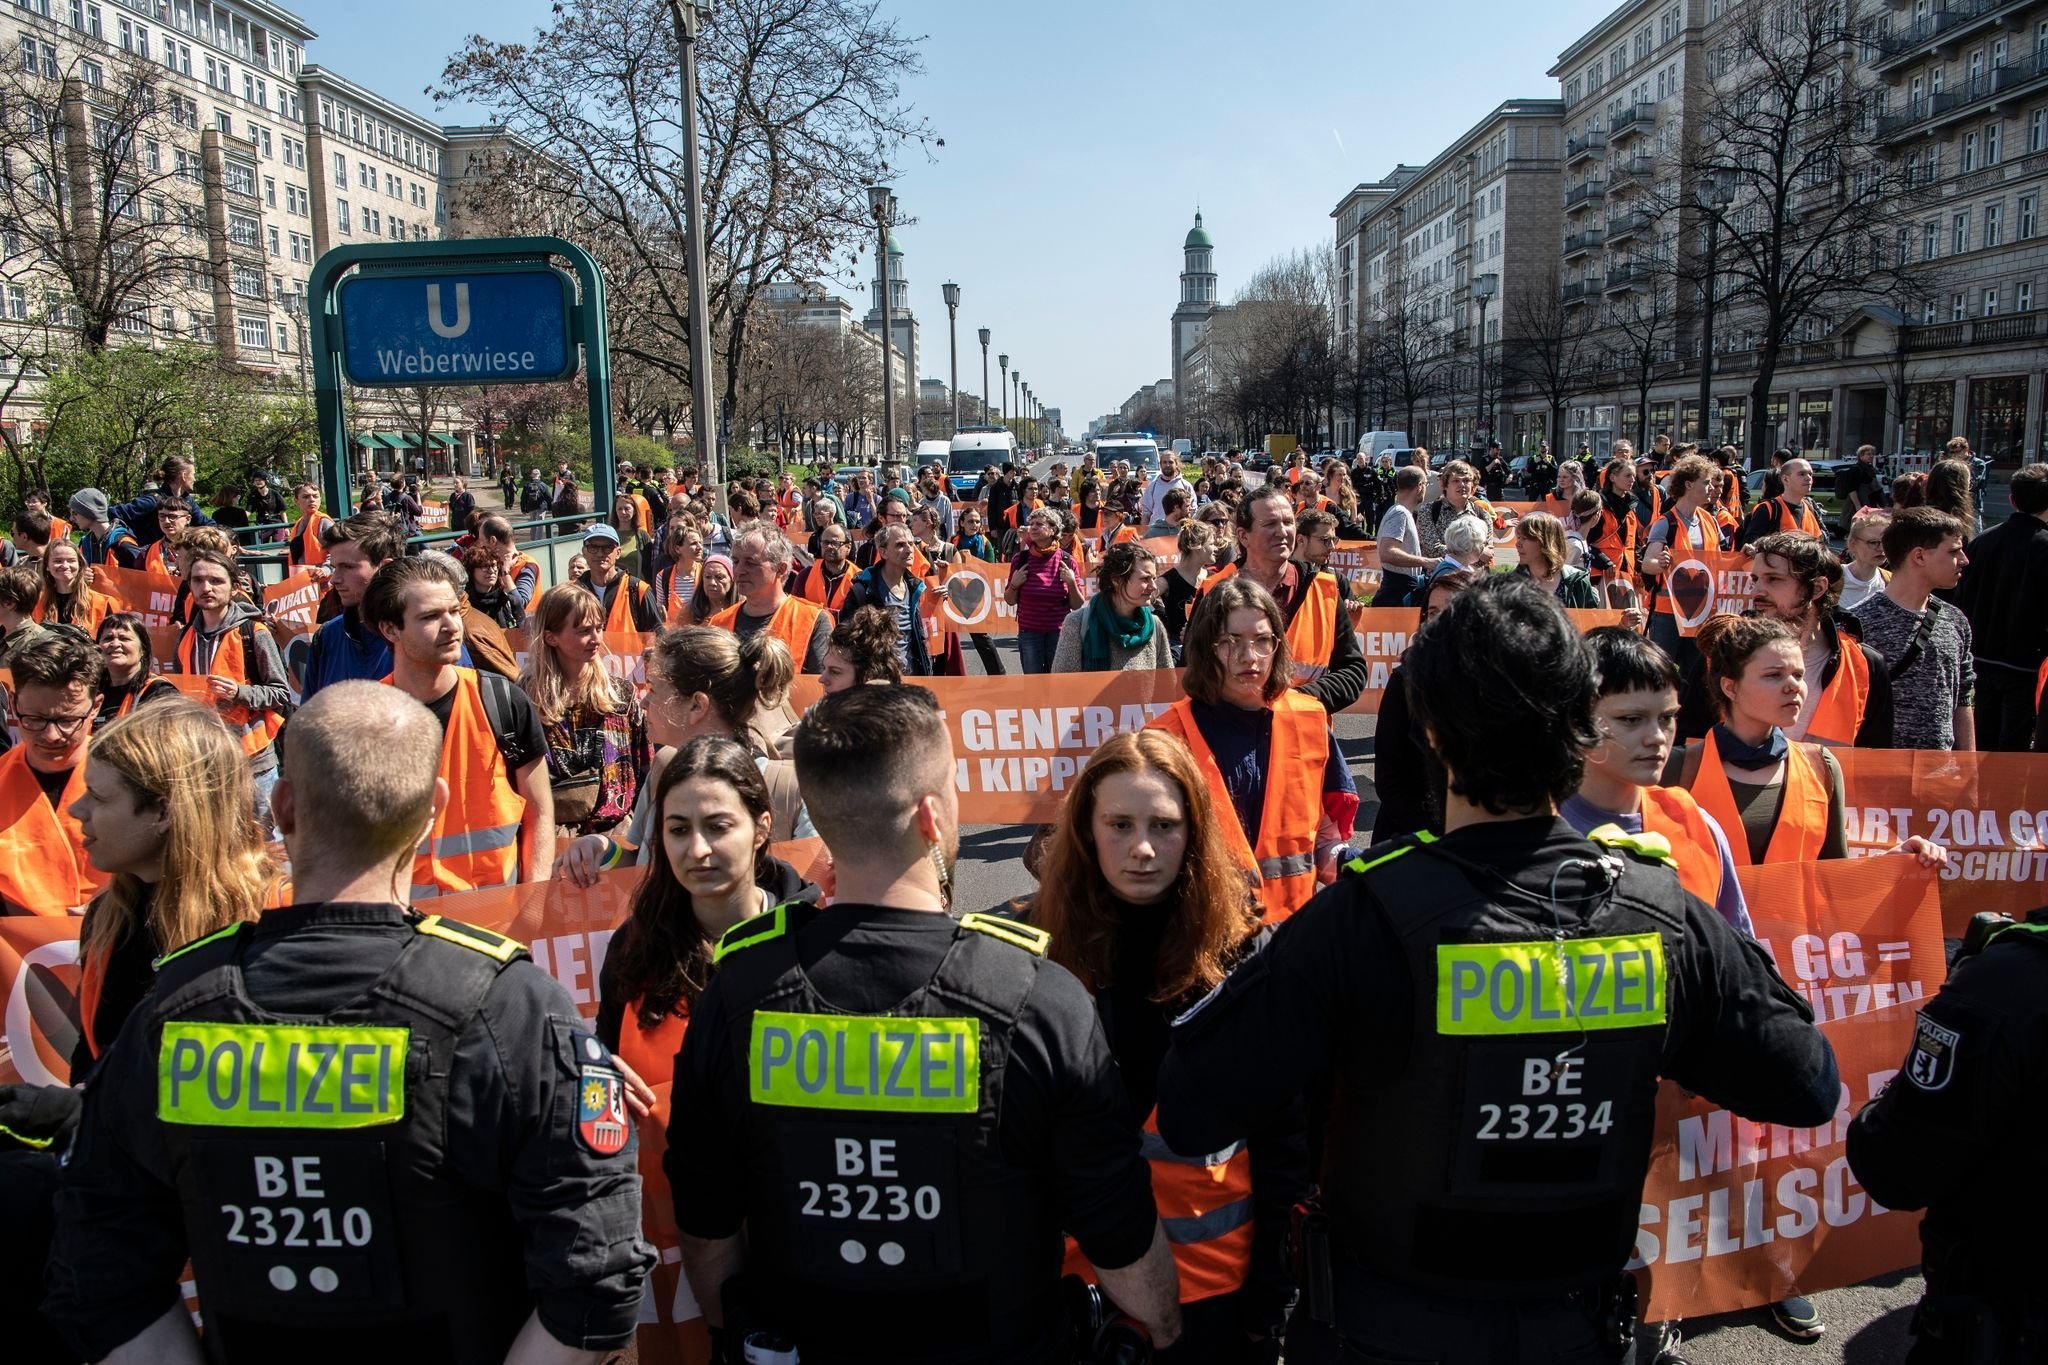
1866 1324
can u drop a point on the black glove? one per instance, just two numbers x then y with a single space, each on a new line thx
37 1115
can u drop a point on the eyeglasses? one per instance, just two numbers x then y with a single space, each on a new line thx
65 726
1257 647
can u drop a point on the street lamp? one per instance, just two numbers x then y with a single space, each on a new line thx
1017 400
704 425
1004 361
1715 194
952 293
1483 288
882 203
984 376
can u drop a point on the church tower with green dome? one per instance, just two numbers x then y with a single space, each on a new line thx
1197 300
903 327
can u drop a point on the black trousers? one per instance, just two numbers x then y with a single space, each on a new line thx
2005 709
1383 1323
28 1183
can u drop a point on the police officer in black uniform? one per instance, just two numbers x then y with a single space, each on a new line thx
1492 1009
1948 1135
902 1109
378 1136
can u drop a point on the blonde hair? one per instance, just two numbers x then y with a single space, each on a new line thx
565 607
1546 533
177 755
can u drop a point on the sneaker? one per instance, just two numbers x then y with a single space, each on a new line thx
1798 1318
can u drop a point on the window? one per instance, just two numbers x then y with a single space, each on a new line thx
2037 130
1969 153
1930 246
366 175
225 122
17 302
253 333
248 281
241 179
371 221
92 72
1991 140
1990 302
2028 203
270 190
340 169
1958 308
275 244
1994 224
1960 234
167 320
243 230
341 215
2023 298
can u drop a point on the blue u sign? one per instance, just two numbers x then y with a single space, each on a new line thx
509 327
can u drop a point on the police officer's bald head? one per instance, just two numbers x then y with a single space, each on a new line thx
362 760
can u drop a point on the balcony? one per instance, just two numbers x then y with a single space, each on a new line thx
1628 279
1626 170
1578 148
1582 291
1994 87
1592 191
1579 243
1941 29
1621 226
1634 121
1948 336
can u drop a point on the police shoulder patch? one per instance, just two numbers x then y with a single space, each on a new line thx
1931 1065
469 936
601 1122
1029 937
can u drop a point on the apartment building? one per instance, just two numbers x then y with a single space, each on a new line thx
1443 266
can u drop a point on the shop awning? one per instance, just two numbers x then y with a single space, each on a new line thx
444 442
397 441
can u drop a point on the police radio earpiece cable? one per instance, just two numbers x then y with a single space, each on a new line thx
1605 873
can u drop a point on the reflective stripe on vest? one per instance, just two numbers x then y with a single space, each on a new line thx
1312 634
792 624
1205 1208
1838 711
256 729
475 839
1802 828
43 868
1284 862
1673 813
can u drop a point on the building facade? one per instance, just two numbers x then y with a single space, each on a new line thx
902 334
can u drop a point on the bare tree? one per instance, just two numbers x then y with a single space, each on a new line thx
1411 349
1640 338
1790 126
800 107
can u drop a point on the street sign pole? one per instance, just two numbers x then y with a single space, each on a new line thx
453 314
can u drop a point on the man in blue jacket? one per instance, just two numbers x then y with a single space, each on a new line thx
344 647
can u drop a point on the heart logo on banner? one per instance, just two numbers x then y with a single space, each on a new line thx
967 592
1692 592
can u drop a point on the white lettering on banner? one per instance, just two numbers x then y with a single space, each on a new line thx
1736 1214
1390 643
1984 845
1828 973
575 960
1051 727
425 362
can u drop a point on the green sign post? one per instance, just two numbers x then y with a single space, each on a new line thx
493 310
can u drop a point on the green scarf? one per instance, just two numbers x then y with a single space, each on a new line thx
1107 629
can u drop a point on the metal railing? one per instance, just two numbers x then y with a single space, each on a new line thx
1998 81
1584 193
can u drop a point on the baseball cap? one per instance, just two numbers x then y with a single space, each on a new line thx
602 530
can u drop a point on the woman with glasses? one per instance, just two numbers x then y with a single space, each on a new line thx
1266 750
124 645
1044 587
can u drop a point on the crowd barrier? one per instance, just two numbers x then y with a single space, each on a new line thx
1734 1213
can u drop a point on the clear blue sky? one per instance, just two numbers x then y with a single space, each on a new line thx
1080 135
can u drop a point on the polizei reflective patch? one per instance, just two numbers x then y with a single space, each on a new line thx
281 1075
830 1061
1550 987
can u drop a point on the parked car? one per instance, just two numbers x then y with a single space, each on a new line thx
1258 461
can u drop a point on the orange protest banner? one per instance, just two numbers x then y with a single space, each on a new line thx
1383 635
971 599
433 515
1706 583
1989 810
1019 742
293 606
149 594
1736 1214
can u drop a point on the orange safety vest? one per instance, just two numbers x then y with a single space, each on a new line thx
618 617
307 549
60 529
1802 828
97 607
1681 543
1312 634
257 730
475 839
1672 812
652 1052
43 868
1205 1208
792 624
1838 714
816 589
1284 863
156 559
1807 522
1616 539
